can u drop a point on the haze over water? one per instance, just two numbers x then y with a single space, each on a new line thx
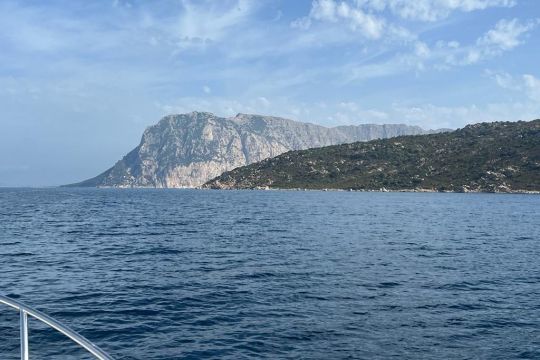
185 274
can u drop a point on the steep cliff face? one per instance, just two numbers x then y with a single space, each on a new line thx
189 149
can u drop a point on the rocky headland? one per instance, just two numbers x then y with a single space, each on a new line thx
187 150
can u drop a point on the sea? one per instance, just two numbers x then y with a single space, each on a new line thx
210 274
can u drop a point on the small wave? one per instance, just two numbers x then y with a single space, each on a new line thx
158 251
19 254
467 307
388 284
257 275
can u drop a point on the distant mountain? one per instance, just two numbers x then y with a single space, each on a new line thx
189 149
491 157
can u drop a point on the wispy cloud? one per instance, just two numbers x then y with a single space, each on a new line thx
506 35
433 116
368 17
366 24
526 85
207 21
430 10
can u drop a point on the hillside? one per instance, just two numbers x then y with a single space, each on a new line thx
189 149
492 157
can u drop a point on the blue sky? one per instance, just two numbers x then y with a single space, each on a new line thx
81 80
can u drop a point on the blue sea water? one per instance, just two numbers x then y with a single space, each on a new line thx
187 274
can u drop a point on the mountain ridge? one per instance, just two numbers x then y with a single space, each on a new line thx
485 157
186 150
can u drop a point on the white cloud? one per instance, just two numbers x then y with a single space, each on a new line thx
222 106
396 65
430 10
351 113
505 35
526 85
422 50
426 115
532 87
417 10
430 116
503 79
332 11
264 101
203 22
434 116
370 18
327 114
206 89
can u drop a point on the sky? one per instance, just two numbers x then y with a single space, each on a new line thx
81 80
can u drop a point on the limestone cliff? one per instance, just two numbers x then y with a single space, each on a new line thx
189 149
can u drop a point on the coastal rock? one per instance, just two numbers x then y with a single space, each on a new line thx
189 149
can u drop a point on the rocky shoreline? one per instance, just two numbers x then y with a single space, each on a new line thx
383 190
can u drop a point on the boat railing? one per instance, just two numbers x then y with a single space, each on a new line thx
25 311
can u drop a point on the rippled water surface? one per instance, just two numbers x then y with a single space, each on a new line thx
185 274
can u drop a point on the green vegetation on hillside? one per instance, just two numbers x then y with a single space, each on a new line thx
499 156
